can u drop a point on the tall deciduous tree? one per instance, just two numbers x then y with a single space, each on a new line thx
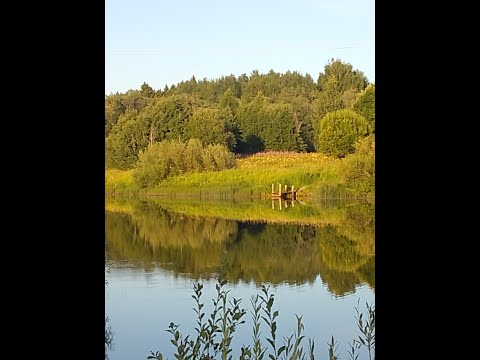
330 99
114 108
168 117
301 100
281 131
251 121
124 142
346 77
211 126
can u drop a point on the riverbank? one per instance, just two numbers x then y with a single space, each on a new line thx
313 175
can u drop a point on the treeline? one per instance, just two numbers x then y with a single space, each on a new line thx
245 114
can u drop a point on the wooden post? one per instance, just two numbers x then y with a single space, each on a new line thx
273 190
285 187
273 204
280 203
280 190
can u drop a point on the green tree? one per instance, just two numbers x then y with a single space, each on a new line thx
281 131
365 104
301 100
346 77
348 98
339 131
187 87
147 91
251 121
114 108
330 99
227 82
228 99
211 126
168 117
135 100
124 142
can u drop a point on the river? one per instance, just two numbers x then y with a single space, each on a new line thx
317 258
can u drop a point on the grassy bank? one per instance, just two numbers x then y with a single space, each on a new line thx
313 174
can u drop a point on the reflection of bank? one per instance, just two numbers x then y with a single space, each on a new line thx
199 247
282 204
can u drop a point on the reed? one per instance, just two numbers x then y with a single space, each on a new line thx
214 333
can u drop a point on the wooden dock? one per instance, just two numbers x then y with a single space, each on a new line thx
283 193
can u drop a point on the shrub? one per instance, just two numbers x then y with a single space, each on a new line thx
359 167
338 132
173 157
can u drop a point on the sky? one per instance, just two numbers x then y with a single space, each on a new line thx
163 42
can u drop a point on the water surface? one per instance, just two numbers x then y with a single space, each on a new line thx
318 259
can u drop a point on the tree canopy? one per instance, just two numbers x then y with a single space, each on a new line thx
245 113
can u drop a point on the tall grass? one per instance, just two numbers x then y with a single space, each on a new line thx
119 182
214 333
312 174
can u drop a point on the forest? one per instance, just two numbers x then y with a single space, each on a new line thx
205 125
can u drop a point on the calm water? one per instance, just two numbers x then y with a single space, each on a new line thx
318 259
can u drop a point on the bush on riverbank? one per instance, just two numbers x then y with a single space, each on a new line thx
173 157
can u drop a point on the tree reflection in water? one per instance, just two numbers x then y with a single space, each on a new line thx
108 328
340 248
108 338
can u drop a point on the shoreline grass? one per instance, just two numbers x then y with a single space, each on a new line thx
314 175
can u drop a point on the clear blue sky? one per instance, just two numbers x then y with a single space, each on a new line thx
163 42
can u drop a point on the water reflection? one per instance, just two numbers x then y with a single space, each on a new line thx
108 338
108 328
282 204
333 241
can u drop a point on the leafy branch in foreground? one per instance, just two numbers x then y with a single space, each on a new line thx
367 329
214 334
